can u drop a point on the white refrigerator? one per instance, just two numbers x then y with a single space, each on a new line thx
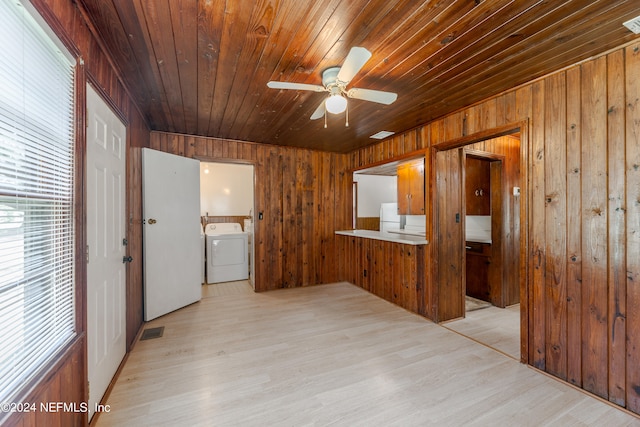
389 218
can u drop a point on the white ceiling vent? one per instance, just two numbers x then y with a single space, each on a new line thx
382 134
633 24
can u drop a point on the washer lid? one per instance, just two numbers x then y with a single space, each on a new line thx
223 228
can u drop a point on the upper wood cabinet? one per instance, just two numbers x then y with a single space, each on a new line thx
478 186
411 188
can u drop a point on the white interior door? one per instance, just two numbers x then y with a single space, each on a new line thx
106 272
172 241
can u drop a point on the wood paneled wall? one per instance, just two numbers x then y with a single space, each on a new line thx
135 274
368 223
66 380
304 197
448 268
62 384
581 269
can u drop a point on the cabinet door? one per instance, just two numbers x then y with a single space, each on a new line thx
477 186
404 189
416 188
478 264
411 188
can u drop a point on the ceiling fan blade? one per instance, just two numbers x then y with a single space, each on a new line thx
356 59
319 111
295 86
378 96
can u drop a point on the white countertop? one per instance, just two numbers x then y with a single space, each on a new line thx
478 238
388 237
407 232
478 241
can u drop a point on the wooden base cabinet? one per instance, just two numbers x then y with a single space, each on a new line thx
478 262
393 271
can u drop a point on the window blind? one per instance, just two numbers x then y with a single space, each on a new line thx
37 308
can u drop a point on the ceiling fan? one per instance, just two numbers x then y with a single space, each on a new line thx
335 81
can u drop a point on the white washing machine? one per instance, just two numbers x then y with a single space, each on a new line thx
227 252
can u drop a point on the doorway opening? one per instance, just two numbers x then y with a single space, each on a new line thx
483 213
477 219
227 196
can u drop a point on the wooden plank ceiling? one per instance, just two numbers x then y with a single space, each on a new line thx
201 67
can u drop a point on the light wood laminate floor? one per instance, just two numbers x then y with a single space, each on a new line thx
331 355
498 328
226 288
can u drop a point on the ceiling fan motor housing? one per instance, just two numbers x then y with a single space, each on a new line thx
330 77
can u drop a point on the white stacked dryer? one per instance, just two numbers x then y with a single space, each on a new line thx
227 252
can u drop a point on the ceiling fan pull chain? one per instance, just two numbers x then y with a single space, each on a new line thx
325 118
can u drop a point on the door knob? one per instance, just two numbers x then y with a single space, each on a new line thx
152 221
127 259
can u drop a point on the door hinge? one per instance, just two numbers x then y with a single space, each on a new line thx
86 253
125 242
88 389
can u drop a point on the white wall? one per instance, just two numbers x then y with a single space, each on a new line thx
227 190
373 190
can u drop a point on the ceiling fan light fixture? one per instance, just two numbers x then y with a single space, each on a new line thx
336 104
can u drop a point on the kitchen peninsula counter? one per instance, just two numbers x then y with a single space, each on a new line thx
390 265
406 239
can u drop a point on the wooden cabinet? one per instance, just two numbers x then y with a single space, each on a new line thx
478 264
478 186
411 188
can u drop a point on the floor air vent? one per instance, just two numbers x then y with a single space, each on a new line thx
152 333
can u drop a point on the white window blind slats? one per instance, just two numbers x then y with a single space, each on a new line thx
45 172
37 298
42 89
14 125
32 135
46 186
